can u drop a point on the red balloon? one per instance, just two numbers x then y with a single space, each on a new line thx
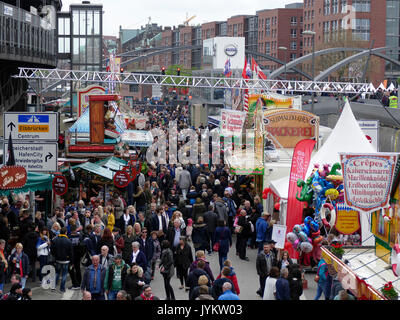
266 192
277 206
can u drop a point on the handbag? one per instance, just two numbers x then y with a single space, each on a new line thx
217 244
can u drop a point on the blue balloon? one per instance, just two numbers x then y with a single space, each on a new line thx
314 226
306 229
308 220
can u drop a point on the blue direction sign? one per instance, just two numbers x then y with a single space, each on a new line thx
41 126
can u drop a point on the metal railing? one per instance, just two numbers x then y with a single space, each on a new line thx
26 37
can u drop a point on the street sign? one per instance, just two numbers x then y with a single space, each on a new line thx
121 179
31 126
34 157
12 177
60 185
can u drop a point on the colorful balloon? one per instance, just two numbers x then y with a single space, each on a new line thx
291 237
306 247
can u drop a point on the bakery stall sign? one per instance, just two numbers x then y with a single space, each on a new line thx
12 177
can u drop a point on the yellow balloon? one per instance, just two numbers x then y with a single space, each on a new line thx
332 193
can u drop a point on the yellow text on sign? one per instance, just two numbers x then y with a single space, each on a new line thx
33 128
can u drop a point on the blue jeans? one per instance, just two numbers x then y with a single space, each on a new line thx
320 290
112 295
42 261
222 258
61 269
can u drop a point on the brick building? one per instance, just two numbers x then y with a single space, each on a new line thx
280 28
349 23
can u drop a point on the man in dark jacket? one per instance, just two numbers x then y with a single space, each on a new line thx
265 261
75 269
146 246
243 235
159 224
61 248
193 278
282 286
221 210
93 279
210 219
115 277
29 242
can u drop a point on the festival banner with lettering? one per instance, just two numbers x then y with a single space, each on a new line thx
300 163
232 121
368 179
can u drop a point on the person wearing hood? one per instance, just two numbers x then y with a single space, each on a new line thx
231 276
115 277
200 237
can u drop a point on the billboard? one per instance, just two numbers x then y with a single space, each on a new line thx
290 126
217 50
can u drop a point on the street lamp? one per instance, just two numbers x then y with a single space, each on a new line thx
284 49
312 33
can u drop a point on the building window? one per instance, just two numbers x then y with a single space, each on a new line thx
293 45
361 29
133 88
335 6
343 5
362 5
293 21
293 33
327 7
293 56
267 27
267 47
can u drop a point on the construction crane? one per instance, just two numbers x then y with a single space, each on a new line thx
186 22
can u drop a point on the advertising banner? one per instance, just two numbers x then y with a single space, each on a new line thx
232 121
279 235
367 179
300 163
291 126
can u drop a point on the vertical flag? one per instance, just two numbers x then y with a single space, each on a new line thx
246 74
227 69
257 70
300 163
10 151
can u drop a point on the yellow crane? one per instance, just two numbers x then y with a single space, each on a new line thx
186 22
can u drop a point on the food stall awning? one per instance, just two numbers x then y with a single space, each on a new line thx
137 138
96 169
35 182
112 163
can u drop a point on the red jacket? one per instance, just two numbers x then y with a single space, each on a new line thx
233 278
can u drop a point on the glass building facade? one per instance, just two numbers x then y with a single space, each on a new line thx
393 35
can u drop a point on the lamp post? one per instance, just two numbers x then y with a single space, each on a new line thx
312 33
284 49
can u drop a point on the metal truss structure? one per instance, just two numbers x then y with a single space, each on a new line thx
37 74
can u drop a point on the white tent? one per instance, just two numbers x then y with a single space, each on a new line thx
345 137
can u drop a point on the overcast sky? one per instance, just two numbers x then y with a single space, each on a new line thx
134 13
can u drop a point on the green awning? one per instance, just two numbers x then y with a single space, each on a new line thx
96 169
35 182
112 163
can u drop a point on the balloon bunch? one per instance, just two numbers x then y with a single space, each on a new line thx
305 236
323 186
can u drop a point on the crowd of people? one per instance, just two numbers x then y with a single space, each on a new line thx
111 244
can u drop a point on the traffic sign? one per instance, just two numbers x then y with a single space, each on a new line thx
34 157
31 126
60 185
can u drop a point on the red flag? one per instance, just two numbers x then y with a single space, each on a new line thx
244 72
300 163
255 68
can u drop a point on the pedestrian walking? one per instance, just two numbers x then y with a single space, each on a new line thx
223 238
115 277
167 269
183 259
265 261
93 279
200 235
269 292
